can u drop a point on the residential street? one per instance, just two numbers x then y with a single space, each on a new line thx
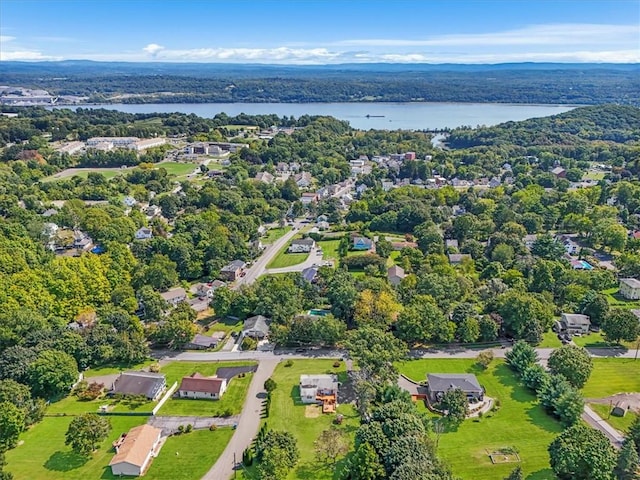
248 424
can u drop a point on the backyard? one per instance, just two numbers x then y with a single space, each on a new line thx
289 413
520 423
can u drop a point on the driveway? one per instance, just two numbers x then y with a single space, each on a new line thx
248 424
169 425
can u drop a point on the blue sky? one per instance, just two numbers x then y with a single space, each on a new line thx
318 32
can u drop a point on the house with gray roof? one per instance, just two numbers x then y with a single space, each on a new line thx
174 296
151 385
440 383
573 323
256 327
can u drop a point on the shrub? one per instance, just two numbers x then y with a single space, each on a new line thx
227 413
270 385
155 368
288 363
188 428
180 429
213 427
336 364
484 359
249 343
247 457
91 392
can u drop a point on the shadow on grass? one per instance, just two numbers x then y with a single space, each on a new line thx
545 474
295 395
65 461
543 420
309 470
508 378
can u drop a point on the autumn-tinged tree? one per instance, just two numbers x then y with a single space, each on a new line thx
376 309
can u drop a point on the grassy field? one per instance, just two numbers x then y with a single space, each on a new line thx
177 168
71 405
520 423
117 368
189 456
611 376
620 423
329 249
284 259
275 233
108 173
593 340
44 456
288 413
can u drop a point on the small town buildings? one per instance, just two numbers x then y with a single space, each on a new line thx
403 244
451 244
233 270
303 179
458 258
135 450
302 245
321 388
81 240
50 229
129 201
144 233
630 288
308 198
174 296
362 243
256 327
264 177
440 383
149 384
49 212
395 275
70 148
199 386
573 323
206 290
570 246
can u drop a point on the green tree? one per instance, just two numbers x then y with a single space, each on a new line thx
375 351
582 453
52 373
376 309
573 363
468 331
4 475
364 465
524 315
634 432
569 407
547 248
160 274
516 474
278 453
454 402
594 305
628 462
86 432
11 424
488 329
20 395
484 359
521 356
620 324
330 445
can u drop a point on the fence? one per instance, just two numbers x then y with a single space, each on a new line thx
166 397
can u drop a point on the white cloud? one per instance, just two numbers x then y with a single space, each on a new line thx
276 55
153 48
552 34
26 55
6 38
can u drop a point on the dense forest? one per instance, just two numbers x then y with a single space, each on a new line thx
192 83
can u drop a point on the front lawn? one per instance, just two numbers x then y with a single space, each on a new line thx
71 405
115 368
288 413
44 456
520 423
189 456
274 234
611 376
231 402
616 300
284 259
329 249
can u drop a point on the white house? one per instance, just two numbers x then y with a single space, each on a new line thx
321 388
199 386
630 288
302 245
174 296
135 450
144 233
303 180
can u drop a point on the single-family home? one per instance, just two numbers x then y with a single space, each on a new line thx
309 274
529 240
559 172
262 230
440 383
204 342
301 245
323 226
206 290
50 229
395 275
264 177
458 258
174 296
144 233
321 388
303 179
362 243
129 201
282 167
81 240
256 327
569 245
397 246
572 323
630 288
451 244
49 212
233 270
308 198
153 211
135 450
199 386
149 384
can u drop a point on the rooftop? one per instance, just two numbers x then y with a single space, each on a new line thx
442 382
199 383
138 383
323 381
136 445
576 319
632 282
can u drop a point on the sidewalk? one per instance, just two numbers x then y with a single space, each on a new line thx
593 419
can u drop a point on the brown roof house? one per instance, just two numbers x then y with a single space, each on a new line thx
151 385
395 275
199 386
135 450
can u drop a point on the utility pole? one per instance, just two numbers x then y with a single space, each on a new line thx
234 465
637 348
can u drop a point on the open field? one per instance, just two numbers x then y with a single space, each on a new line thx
329 249
520 423
189 456
44 456
177 169
288 413
275 233
284 259
611 376
117 368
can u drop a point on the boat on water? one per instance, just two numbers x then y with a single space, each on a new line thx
374 116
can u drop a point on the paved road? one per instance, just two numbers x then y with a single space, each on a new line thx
248 424
593 419
260 264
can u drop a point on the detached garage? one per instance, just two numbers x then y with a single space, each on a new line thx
135 450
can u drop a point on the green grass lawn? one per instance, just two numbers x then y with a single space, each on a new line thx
549 340
329 249
617 300
189 456
622 424
275 233
232 400
226 325
611 376
288 413
593 176
520 423
44 456
284 259
116 368
71 405
83 173
177 168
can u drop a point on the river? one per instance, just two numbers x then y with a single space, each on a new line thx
387 116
